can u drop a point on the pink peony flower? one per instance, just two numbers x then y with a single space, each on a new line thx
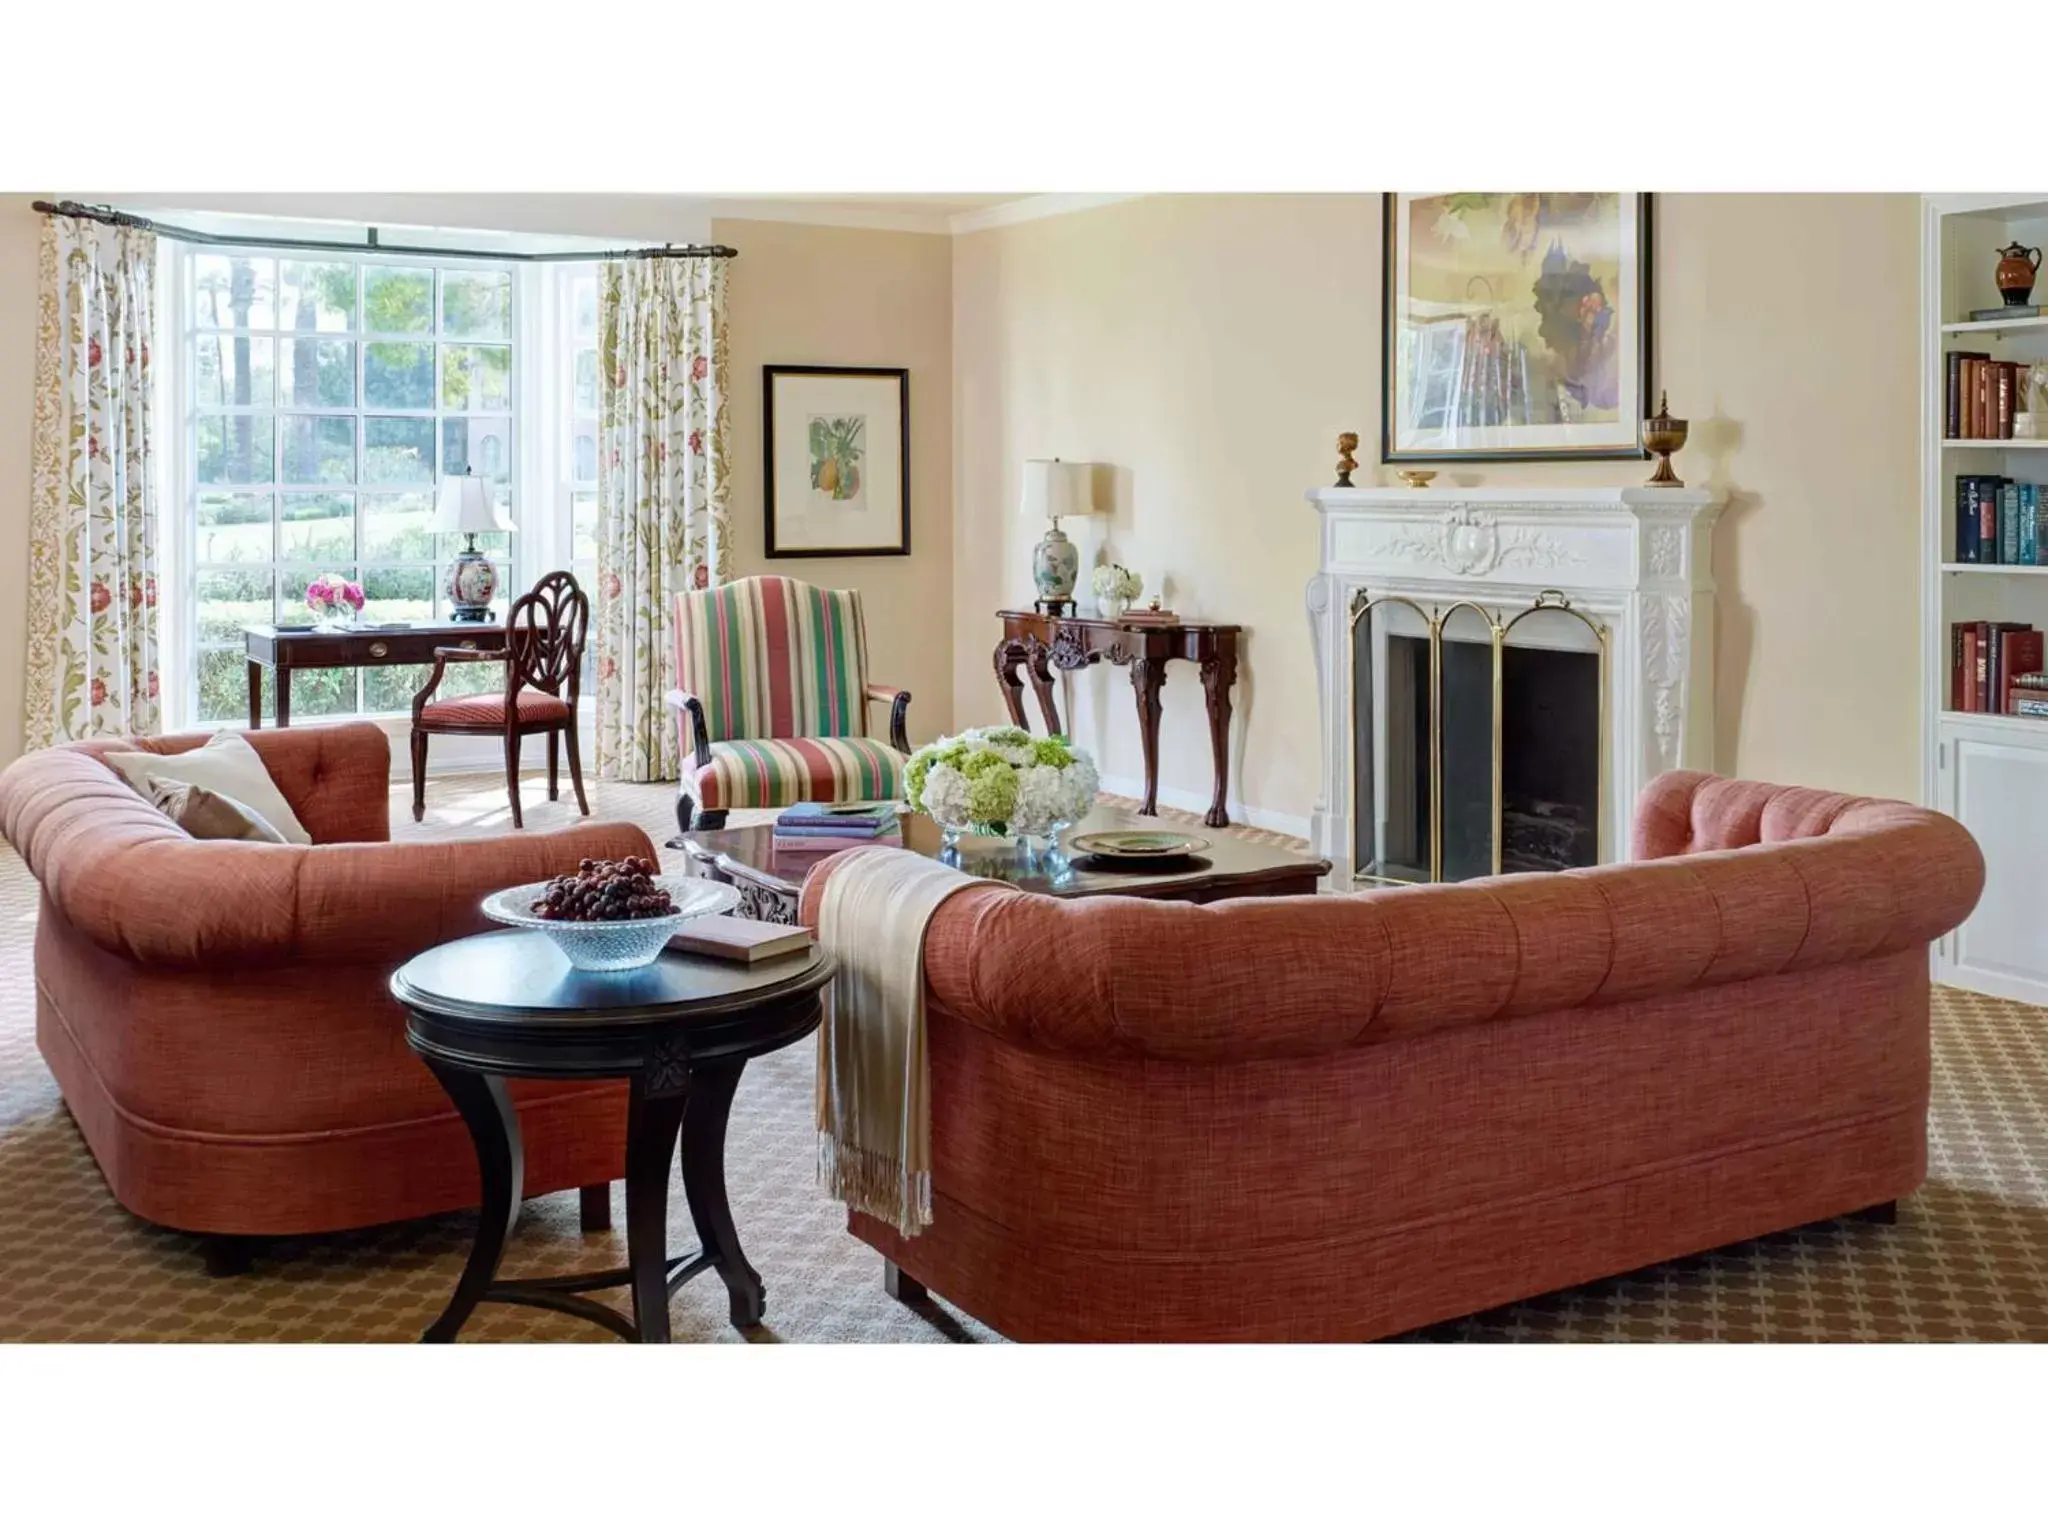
699 366
696 442
702 576
318 592
352 594
92 352
99 692
101 597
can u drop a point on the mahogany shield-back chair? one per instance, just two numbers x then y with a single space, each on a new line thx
772 698
543 660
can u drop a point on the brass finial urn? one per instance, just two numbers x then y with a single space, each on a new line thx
1664 435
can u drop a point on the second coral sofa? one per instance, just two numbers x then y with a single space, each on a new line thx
1341 1117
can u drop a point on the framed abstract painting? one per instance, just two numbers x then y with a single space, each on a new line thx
1516 325
837 445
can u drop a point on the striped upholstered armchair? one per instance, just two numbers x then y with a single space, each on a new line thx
772 701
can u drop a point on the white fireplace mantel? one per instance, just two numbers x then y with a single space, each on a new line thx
1637 559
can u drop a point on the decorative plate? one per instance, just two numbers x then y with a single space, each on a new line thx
1137 846
621 945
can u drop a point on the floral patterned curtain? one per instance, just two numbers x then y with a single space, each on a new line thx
92 614
661 492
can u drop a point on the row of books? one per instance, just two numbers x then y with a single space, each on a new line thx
1996 669
814 827
1983 395
1998 521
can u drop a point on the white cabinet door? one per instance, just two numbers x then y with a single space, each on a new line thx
1997 786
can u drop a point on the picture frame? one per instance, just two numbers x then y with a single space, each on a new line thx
836 450
1514 326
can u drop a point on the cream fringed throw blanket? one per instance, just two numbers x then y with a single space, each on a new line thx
874 1086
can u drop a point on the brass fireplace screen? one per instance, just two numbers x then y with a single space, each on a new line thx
1478 741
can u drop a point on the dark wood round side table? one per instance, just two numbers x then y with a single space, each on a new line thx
506 1004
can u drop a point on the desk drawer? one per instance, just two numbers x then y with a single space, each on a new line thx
394 648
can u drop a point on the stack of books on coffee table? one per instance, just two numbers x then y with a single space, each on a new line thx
813 827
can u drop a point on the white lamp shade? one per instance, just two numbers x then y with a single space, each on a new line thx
466 505
1054 488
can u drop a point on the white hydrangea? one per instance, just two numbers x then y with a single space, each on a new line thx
1044 796
945 795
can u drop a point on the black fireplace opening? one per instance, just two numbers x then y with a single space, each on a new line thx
1550 750
1550 759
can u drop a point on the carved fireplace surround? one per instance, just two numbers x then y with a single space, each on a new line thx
1636 561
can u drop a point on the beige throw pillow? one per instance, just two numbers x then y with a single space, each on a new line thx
227 765
214 817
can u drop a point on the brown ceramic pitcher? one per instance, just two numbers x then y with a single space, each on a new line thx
2016 272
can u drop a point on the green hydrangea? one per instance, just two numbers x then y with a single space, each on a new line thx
991 788
1052 752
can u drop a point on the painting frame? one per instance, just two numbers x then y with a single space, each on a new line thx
842 437
1398 443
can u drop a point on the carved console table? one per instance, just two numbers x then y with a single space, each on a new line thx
1067 644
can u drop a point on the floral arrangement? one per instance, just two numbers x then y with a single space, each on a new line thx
1115 584
1003 780
334 597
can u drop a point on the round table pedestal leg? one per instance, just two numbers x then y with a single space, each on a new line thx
651 1124
501 1170
710 1104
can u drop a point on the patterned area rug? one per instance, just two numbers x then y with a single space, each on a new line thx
1968 1260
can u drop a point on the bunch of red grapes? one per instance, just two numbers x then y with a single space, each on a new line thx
605 891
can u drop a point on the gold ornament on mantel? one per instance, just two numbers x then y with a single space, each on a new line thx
1347 445
1416 479
1664 435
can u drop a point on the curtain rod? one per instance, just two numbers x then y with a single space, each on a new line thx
104 215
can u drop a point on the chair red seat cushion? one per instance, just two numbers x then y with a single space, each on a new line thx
489 709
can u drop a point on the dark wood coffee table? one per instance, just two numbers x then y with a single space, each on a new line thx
506 1004
770 881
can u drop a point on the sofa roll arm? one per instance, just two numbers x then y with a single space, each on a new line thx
390 901
689 708
898 700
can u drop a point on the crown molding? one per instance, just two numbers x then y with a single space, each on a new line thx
836 215
1026 210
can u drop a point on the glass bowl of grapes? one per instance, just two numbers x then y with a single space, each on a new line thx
611 914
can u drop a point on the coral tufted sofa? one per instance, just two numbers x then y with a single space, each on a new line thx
1340 1117
217 1013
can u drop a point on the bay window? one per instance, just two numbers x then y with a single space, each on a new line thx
324 396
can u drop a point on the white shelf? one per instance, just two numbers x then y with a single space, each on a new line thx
2027 443
1957 568
1992 327
1986 717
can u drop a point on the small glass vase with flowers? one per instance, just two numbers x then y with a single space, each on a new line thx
334 600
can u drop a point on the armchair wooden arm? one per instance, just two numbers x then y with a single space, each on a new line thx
899 713
686 704
443 654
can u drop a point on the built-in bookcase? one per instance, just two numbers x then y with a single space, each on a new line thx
1988 770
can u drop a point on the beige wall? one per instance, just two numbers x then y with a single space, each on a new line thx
807 294
1211 348
800 293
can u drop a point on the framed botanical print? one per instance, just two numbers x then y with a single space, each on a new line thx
1516 325
837 442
